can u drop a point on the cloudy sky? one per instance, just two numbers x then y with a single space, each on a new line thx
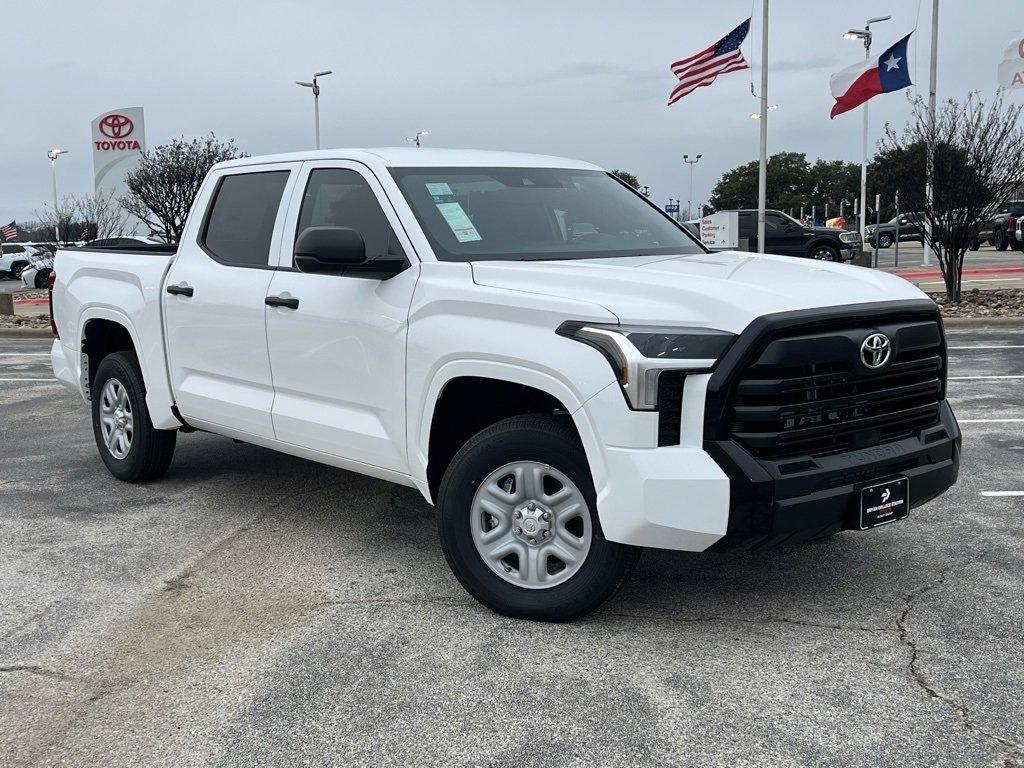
581 78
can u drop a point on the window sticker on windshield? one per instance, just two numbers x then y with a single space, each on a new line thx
441 192
460 223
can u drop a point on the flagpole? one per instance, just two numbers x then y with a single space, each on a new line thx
762 170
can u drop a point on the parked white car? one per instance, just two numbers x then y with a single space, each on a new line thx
564 371
14 257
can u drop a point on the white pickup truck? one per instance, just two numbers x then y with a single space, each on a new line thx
554 363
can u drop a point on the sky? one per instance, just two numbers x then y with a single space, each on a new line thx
587 79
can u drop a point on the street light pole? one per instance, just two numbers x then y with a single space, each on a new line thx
865 35
315 86
689 202
416 139
53 154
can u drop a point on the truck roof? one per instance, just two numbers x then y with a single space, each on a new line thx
420 157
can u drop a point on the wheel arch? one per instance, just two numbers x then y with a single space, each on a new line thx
103 330
499 390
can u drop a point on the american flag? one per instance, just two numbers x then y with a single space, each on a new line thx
717 59
9 231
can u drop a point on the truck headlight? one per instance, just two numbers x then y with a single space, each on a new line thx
639 353
849 237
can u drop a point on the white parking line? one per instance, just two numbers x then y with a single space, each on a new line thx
990 421
976 378
51 380
1002 493
24 354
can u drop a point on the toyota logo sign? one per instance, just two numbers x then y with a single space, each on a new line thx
875 350
115 126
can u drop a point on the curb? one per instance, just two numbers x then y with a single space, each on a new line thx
25 333
979 323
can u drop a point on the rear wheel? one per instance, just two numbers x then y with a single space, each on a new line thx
518 524
825 253
132 449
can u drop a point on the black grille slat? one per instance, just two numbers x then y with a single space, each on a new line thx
810 395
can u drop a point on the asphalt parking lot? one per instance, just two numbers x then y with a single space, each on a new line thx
257 609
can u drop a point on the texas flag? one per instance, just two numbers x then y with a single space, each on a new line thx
855 85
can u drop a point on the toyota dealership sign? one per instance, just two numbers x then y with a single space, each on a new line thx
118 138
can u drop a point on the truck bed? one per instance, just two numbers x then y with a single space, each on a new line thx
123 284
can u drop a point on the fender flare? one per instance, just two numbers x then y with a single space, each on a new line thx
517 374
100 312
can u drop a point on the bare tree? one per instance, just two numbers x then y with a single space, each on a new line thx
65 219
163 185
102 215
976 158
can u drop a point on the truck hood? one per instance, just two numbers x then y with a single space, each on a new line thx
724 290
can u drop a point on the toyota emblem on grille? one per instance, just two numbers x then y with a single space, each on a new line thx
875 350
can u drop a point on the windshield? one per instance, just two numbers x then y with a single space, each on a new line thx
476 214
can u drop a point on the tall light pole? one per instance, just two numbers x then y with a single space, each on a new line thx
53 154
689 202
865 35
932 69
645 191
416 139
316 99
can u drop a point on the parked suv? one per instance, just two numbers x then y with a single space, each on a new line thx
558 366
14 258
785 236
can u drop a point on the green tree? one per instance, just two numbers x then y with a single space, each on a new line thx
627 177
792 182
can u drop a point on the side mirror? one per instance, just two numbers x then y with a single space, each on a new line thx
329 249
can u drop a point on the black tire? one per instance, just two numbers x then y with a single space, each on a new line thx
17 268
41 278
999 240
975 245
150 451
885 241
549 440
825 253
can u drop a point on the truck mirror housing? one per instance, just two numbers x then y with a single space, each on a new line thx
329 249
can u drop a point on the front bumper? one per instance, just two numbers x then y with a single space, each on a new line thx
769 506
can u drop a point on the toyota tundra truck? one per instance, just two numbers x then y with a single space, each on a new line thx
563 371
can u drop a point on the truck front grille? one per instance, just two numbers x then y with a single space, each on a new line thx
810 394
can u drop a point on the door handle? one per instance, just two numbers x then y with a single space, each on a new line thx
180 290
280 301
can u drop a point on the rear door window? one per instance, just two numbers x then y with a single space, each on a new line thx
240 224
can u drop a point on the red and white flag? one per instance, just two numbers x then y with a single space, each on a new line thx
718 58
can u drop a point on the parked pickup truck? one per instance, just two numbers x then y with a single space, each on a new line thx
556 365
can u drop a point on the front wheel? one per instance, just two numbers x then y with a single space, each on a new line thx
17 269
885 241
825 253
518 523
132 449
41 278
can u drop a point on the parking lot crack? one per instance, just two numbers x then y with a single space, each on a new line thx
35 669
1011 751
762 621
